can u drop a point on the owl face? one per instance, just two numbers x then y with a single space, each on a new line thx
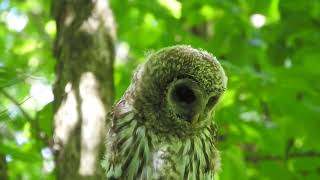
189 102
177 89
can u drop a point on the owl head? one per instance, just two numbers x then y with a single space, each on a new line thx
176 90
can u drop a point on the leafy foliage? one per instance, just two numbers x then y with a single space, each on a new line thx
268 120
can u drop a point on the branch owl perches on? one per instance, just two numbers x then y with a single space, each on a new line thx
163 126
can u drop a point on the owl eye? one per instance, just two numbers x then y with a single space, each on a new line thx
212 101
184 95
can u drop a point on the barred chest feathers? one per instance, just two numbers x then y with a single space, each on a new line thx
134 153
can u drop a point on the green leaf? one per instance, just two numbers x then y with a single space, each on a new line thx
19 153
45 119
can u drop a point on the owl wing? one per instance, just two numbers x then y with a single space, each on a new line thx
129 147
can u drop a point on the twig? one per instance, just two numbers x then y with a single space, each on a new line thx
33 122
15 102
306 154
6 110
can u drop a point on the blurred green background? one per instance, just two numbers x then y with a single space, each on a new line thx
269 119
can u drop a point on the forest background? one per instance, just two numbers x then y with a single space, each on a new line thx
268 120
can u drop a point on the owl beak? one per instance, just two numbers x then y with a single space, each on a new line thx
195 119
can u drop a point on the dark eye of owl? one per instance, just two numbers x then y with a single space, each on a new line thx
184 95
212 101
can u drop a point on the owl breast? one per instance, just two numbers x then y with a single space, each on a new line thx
134 152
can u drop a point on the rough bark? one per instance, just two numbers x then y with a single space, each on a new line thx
83 90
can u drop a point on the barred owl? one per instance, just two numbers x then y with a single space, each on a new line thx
163 128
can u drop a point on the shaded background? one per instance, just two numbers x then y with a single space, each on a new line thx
268 120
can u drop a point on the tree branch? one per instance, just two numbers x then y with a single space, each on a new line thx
306 154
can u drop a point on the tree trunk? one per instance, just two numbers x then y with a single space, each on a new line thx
84 89
3 167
